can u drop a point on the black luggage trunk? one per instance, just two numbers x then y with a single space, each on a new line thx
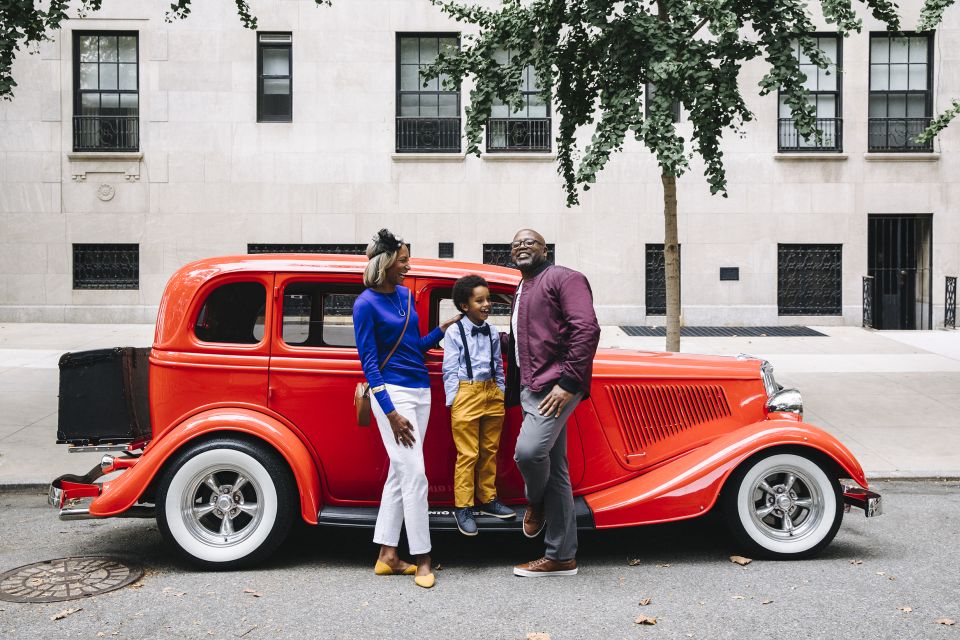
104 397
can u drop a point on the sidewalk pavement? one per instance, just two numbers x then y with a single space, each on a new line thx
892 397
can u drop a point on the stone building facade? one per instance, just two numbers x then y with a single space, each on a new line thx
134 146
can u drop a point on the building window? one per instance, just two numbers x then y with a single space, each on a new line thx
499 254
809 279
824 94
428 111
650 90
274 77
656 280
901 100
106 99
342 249
445 250
106 266
524 129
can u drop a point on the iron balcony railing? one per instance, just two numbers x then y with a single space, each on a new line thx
950 304
428 135
831 136
897 134
868 301
518 134
106 133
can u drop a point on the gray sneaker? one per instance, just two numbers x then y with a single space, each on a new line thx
465 521
497 509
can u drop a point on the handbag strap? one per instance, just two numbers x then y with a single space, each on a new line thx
402 331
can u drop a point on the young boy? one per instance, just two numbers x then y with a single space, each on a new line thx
473 381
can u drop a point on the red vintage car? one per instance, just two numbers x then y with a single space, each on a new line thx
240 419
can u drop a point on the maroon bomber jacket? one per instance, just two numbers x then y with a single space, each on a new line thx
558 334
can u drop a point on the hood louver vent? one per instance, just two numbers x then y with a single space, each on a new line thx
648 414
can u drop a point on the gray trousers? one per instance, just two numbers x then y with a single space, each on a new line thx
541 456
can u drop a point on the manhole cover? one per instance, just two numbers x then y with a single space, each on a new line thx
66 579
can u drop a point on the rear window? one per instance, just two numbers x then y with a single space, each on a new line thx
319 314
233 313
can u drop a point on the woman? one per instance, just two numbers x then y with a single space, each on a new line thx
400 401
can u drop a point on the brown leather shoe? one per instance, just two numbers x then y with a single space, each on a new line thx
546 568
533 521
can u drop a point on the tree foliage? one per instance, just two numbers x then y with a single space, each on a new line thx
594 58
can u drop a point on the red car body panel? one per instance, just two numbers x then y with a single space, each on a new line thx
654 442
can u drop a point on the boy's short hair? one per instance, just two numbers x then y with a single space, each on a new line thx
463 289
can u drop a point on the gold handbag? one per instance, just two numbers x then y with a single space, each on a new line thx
361 395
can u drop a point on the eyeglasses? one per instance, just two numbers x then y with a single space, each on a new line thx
526 242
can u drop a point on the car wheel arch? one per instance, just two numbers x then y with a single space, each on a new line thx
120 494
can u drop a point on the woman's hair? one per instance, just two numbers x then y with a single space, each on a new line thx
463 289
382 253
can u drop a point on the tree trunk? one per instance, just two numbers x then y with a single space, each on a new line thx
671 260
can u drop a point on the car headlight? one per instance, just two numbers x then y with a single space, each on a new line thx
786 401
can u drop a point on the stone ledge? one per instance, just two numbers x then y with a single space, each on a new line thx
518 157
901 157
84 162
810 157
428 157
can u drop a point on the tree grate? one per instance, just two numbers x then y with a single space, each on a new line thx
67 579
725 332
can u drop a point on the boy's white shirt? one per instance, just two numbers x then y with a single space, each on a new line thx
453 362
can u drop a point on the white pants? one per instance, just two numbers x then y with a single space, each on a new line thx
405 492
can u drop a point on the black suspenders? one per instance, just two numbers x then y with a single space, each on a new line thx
466 353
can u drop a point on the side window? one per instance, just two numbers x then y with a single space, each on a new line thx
233 313
319 314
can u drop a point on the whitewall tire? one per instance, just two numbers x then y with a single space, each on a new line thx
226 502
783 505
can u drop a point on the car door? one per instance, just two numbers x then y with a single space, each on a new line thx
314 369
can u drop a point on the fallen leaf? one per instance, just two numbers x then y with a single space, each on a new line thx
766 602
664 566
739 597
645 620
905 609
438 567
891 577
645 602
881 573
253 593
537 635
856 562
740 560
173 592
66 612
946 621
632 562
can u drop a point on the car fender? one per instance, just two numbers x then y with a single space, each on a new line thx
688 486
121 493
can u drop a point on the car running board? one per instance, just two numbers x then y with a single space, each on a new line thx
441 518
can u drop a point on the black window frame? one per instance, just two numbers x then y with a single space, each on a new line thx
521 134
426 134
92 133
288 46
649 89
106 274
810 306
788 140
879 128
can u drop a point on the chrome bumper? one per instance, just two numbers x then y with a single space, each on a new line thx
869 501
73 494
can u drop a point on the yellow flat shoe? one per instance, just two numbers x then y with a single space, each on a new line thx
426 581
383 569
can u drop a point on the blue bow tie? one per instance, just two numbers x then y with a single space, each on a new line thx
485 330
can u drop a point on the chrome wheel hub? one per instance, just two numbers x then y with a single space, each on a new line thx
786 504
221 507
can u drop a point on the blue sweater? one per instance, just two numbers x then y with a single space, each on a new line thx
376 324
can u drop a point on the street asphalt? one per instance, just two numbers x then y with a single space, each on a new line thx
891 577
892 397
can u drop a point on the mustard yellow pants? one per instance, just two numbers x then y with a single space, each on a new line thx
476 419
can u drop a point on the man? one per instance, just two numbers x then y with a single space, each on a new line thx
554 336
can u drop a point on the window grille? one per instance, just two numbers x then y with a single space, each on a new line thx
445 250
656 280
106 266
809 279
344 249
499 254
525 129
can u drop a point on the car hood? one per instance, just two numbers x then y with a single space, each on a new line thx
629 363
